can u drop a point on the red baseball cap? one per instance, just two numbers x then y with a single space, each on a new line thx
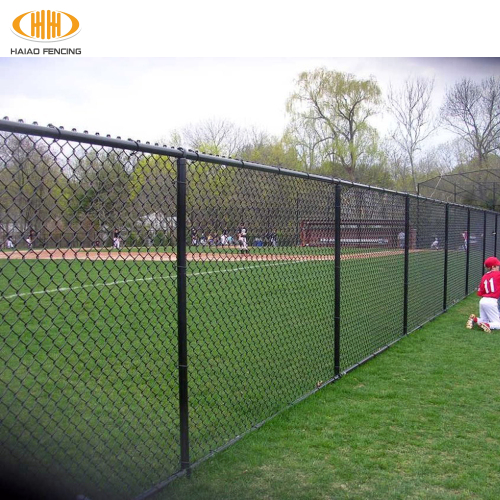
491 261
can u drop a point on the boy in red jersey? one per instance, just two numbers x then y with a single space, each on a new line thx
489 291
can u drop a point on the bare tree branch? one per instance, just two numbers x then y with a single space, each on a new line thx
411 108
472 111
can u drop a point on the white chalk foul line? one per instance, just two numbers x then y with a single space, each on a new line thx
151 278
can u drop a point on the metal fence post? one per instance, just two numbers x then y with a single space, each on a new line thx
406 264
467 253
338 192
495 233
297 220
446 242
484 240
182 312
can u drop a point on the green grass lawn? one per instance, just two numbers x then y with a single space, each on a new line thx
418 422
89 356
80 387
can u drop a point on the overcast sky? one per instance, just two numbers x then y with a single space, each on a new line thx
147 98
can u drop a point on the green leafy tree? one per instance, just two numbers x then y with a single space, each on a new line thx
152 196
310 140
337 107
31 186
101 199
267 150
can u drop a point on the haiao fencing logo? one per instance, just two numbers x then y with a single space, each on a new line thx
46 26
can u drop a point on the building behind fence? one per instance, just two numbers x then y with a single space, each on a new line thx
138 338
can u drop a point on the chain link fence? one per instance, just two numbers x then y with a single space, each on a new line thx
157 304
476 187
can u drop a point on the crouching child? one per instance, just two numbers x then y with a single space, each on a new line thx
489 291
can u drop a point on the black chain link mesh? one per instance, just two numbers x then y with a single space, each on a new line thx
426 261
372 272
90 366
89 331
457 256
476 241
260 306
497 236
490 235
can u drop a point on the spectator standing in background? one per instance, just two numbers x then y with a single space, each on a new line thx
242 238
401 239
116 238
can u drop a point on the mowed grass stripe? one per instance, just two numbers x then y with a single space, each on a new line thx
80 386
259 340
419 422
150 278
91 374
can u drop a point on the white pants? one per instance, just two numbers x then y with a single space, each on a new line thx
488 312
243 242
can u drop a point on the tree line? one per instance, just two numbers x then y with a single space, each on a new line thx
330 130
78 194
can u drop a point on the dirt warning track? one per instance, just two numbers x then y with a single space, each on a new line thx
94 255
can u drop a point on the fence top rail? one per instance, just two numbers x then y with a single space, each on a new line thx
59 133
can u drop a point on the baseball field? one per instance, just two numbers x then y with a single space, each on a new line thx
89 357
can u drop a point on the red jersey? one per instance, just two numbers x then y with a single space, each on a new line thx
490 285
